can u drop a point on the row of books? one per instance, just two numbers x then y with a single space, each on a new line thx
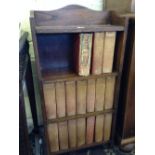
78 97
95 52
77 132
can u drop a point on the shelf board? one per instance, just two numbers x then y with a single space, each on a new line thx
78 28
48 77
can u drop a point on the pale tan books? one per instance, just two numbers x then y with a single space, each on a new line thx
107 126
83 53
108 54
90 108
81 109
100 90
109 93
50 102
71 110
81 129
99 128
60 99
52 130
61 112
63 135
98 49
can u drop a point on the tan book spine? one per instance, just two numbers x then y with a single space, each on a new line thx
61 112
108 53
100 91
50 102
81 109
97 56
85 50
63 135
99 105
52 130
99 128
90 108
107 126
109 93
60 99
50 106
71 110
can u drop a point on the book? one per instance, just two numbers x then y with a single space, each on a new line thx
52 130
83 45
71 110
63 135
107 126
100 90
109 93
99 128
108 54
81 109
61 112
90 108
99 105
50 101
97 54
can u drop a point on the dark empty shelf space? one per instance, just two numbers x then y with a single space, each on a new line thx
48 77
78 28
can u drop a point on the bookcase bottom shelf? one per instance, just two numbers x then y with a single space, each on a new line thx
87 146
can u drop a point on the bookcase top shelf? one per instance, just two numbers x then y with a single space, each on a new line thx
78 28
49 77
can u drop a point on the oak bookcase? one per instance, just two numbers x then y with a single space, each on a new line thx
55 31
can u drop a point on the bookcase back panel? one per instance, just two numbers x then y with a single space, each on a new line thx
56 52
68 105
71 15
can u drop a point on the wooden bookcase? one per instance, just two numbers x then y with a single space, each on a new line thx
54 32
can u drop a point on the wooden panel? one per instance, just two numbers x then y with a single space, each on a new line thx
60 99
97 57
107 126
109 93
100 90
70 15
52 130
50 102
99 128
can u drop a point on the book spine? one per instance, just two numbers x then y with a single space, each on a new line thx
50 102
71 110
52 130
85 48
99 105
108 53
90 108
109 93
107 126
61 112
81 109
97 57
50 106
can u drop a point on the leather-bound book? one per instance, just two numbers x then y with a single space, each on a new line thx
81 109
97 54
107 126
61 112
50 106
83 46
71 110
109 93
90 108
52 130
108 53
99 105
